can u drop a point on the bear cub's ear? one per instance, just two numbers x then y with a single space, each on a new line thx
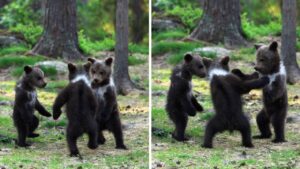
71 67
207 62
92 60
188 57
225 60
108 61
257 46
273 46
27 69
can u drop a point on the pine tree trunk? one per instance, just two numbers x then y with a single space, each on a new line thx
221 23
137 24
288 40
60 33
121 74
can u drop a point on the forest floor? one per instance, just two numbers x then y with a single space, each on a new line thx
227 151
50 149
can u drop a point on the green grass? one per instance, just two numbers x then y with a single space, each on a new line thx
253 31
8 61
48 70
138 48
133 60
169 35
176 58
174 47
17 49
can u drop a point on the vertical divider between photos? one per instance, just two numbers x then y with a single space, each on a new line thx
150 83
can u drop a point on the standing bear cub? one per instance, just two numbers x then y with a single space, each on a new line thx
274 94
226 90
108 115
81 108
181 102
26 102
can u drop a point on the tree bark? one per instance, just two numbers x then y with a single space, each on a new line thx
60 31
221 23
288 40
137 24
121 74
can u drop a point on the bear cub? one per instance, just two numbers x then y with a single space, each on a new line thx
181 102
80 108
226 90
26 102
107 114
275 100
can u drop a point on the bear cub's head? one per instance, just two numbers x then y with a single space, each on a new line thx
34 76
221 63
195 64
79 71
100 71
267 59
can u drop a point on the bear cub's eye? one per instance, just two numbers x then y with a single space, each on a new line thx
39 78
93 71
101 73
200 66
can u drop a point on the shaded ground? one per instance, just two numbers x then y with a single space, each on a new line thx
50 149
227 151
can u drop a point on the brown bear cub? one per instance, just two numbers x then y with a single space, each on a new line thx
274 94
181 102
107 114
26 102
226 90
80 109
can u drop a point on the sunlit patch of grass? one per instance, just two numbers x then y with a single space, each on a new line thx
245 54
17 49
133 60
163 47
169 35
48 70
138 48
8 61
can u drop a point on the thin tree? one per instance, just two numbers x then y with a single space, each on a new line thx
220 23
288 40
59 38
121 74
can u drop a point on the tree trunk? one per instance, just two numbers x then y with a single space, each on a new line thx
288 40
60 33
137 24
221 23
121 75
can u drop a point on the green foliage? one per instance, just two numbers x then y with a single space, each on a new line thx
253 31
138 48
48 70
90 47
169 35
8 61
19 12
16 49
31 32
188 14
174 47
133 60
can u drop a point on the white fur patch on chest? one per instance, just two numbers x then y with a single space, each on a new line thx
100 91
217 72
83 78
32 97
272 77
